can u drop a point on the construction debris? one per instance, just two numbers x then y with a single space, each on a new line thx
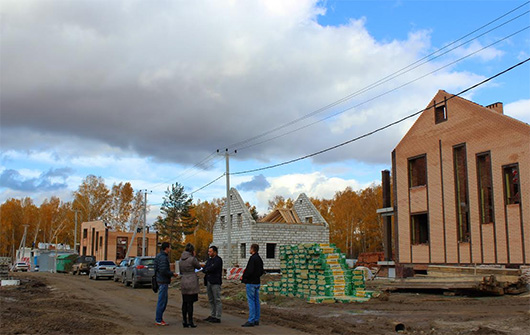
485 280
318 273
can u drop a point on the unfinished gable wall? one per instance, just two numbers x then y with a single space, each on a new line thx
240 232
246 232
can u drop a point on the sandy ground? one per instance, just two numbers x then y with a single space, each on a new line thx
48 303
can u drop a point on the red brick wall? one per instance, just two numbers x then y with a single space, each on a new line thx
507 240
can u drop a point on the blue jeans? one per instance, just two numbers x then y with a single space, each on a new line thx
253 302
162 301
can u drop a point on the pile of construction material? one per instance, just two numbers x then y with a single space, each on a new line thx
318 273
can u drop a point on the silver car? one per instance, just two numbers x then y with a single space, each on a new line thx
102 269
119 271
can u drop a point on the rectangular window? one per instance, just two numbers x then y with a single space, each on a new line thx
139 246
97 240
243 250
440 113
309 219
240 219
101 241
485 187
418 171
419 226
121 247
271 250
461 192
84 251
511 184
85 233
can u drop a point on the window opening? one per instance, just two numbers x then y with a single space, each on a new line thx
271 250
121 247
485 188
418 171
511 184
419 228
243 250
461 193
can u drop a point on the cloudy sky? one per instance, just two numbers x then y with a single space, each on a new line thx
148 91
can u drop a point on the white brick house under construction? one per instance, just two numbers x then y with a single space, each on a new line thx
301 224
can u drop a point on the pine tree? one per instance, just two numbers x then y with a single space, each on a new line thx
178 218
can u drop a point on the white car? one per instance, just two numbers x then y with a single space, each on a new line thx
20 266
102 269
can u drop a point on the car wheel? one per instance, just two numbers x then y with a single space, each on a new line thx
123 278
96 276
135 283
115 278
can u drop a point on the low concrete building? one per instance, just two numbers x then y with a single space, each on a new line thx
301 224
99 240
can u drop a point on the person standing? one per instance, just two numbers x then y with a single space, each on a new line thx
213 271
163 277
251 277
189 284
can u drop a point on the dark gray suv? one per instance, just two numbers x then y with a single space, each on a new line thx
140 271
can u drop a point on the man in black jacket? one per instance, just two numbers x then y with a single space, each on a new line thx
213 271
163 277
251 277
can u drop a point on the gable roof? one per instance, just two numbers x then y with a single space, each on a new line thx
281 215
462 109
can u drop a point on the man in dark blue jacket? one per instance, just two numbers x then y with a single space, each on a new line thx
213 270
163 277
251 277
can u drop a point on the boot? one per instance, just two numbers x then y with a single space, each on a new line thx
185 325
191 324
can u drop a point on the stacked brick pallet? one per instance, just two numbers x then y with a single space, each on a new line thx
318 273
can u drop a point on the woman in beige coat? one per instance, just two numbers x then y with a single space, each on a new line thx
189 284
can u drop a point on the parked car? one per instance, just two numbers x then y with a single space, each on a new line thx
102 269
83 264
20 266
140 271
119 271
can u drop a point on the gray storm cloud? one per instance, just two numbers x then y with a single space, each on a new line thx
12 179
178 80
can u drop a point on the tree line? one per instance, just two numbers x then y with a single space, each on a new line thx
354 225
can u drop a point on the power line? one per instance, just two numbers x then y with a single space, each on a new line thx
196 165
210 183
387 78
378 129
382 94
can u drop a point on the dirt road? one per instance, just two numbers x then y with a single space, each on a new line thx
65 304
77 305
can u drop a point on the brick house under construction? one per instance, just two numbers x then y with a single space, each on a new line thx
301 224
461 184
106 244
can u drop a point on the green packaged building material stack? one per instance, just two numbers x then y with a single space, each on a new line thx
318 273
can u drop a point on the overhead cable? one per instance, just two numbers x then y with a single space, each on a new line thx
389 77
384 93
378 129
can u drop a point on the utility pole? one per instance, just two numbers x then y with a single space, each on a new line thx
228 214
23 242
75 232
145 222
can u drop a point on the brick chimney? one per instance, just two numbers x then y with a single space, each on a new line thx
497 107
